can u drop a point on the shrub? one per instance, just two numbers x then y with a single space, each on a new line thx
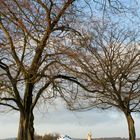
47 137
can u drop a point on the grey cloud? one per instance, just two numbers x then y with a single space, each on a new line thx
89 118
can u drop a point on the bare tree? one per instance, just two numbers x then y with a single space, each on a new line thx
108 65
30 36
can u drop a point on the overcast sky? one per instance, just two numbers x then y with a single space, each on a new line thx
59 120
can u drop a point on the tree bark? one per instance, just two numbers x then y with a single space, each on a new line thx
26 124
26 127
131 127
31 126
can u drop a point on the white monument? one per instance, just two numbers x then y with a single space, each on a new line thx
90 136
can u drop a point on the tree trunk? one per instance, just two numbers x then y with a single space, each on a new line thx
31 126
26 124
26 127
131 127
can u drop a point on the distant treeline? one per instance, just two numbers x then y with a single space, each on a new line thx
113 138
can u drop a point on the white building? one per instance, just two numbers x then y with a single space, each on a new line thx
64 137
